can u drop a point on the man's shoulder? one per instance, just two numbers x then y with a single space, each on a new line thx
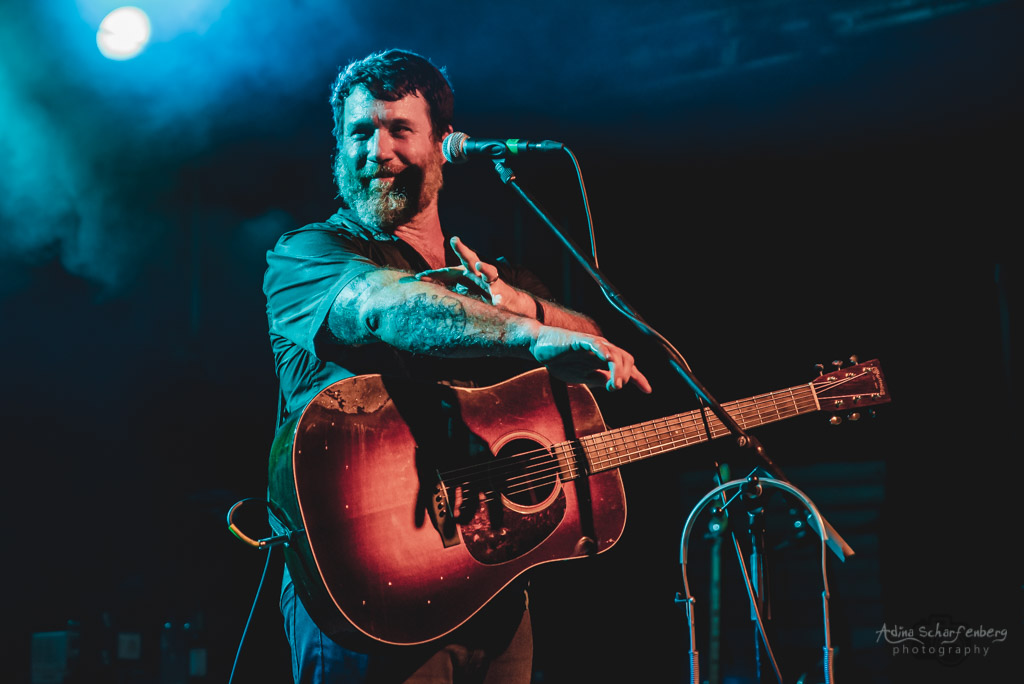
314 238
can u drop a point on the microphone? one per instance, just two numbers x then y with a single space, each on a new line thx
458 147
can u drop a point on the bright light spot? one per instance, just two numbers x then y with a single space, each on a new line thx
123 33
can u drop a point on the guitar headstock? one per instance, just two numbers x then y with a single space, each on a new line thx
851 388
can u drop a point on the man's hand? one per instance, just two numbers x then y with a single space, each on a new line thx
592 360
475 278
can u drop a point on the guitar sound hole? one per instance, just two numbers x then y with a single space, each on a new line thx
528 472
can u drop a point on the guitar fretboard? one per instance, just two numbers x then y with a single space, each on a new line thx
615 448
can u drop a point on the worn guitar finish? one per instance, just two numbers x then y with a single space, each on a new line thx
411 506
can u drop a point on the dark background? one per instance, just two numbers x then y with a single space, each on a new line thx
772 184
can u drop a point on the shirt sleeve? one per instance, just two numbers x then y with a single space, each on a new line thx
305 272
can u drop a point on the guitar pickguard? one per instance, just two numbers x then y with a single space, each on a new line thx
497 533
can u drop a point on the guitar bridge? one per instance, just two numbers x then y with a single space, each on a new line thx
441 514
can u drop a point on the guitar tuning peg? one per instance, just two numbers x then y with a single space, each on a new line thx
853 417
835 420
838 364
820 367
854 360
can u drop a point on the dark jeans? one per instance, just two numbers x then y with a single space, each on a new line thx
489 649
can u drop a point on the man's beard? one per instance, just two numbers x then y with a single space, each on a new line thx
383 205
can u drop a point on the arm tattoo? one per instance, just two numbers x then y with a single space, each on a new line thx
420 318
428 323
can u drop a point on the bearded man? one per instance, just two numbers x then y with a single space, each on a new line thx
380 288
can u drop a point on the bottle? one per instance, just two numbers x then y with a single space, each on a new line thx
197 650
173 653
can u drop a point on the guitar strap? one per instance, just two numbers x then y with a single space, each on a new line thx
560 397
278 527
280 408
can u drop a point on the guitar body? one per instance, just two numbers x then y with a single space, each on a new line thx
413 504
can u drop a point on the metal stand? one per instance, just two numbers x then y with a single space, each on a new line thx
760 603
747 492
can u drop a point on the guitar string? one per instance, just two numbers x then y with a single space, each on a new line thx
548 482
573 469
690 434
800 393
686 424
717 429
631 434
742 406
744 409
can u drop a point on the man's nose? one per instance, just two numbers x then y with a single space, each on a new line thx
380 146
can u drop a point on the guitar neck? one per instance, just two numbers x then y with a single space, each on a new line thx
615 448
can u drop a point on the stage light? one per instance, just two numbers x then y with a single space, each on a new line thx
123 33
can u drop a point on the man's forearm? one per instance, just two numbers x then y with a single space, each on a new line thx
425 318
441 323
549 313
552 314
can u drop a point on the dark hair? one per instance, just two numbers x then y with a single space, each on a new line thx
391 75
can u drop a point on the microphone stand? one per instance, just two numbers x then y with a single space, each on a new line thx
676 359
759 604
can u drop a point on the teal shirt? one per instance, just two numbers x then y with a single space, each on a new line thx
307 269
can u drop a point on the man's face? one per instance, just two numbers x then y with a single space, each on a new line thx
389 164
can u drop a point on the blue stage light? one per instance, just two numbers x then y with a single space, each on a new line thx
123 33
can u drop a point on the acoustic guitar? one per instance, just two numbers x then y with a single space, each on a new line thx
410 506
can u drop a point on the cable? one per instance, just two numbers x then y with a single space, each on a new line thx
593 250
644 327
267 543
259 590
586 204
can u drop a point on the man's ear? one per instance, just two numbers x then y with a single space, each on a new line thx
444 160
